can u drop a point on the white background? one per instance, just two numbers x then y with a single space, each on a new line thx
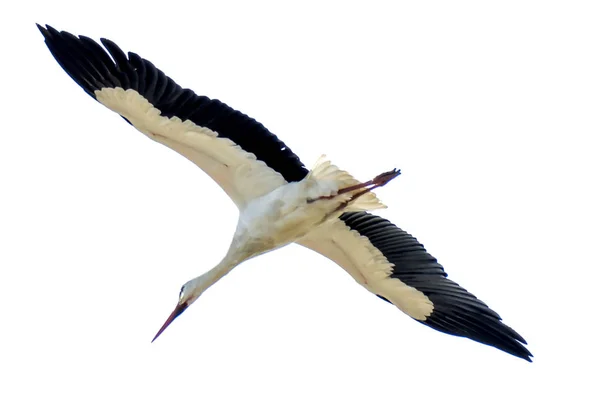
490 110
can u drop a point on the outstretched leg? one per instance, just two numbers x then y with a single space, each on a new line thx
379 181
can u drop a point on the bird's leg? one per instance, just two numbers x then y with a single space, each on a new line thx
379 181
354 197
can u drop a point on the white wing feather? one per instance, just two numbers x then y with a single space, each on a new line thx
238 172
367 265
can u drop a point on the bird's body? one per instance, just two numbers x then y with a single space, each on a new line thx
282 217
288 213
280 201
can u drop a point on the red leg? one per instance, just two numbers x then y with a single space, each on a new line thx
379 181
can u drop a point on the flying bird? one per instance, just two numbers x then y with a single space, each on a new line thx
280 201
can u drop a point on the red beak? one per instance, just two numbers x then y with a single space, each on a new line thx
176 313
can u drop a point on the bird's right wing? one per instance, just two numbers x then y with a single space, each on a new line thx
395 266
240 154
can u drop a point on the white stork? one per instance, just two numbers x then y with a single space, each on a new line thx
279 199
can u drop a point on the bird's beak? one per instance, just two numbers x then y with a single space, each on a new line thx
176 313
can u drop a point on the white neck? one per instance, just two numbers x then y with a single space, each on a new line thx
242 248
220 270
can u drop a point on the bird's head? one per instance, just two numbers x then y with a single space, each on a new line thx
188 294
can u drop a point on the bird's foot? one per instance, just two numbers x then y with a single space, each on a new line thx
382 179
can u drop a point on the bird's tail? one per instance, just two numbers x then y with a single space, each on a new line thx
332 181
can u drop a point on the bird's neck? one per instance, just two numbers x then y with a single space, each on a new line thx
242 248
212 276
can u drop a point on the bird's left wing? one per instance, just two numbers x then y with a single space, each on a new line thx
395 266
239 153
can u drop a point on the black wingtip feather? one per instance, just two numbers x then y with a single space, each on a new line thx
456 311
41 29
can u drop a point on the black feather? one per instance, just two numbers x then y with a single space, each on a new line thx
455 311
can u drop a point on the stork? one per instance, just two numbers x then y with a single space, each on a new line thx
280 201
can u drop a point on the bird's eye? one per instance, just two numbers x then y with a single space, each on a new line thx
181 291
